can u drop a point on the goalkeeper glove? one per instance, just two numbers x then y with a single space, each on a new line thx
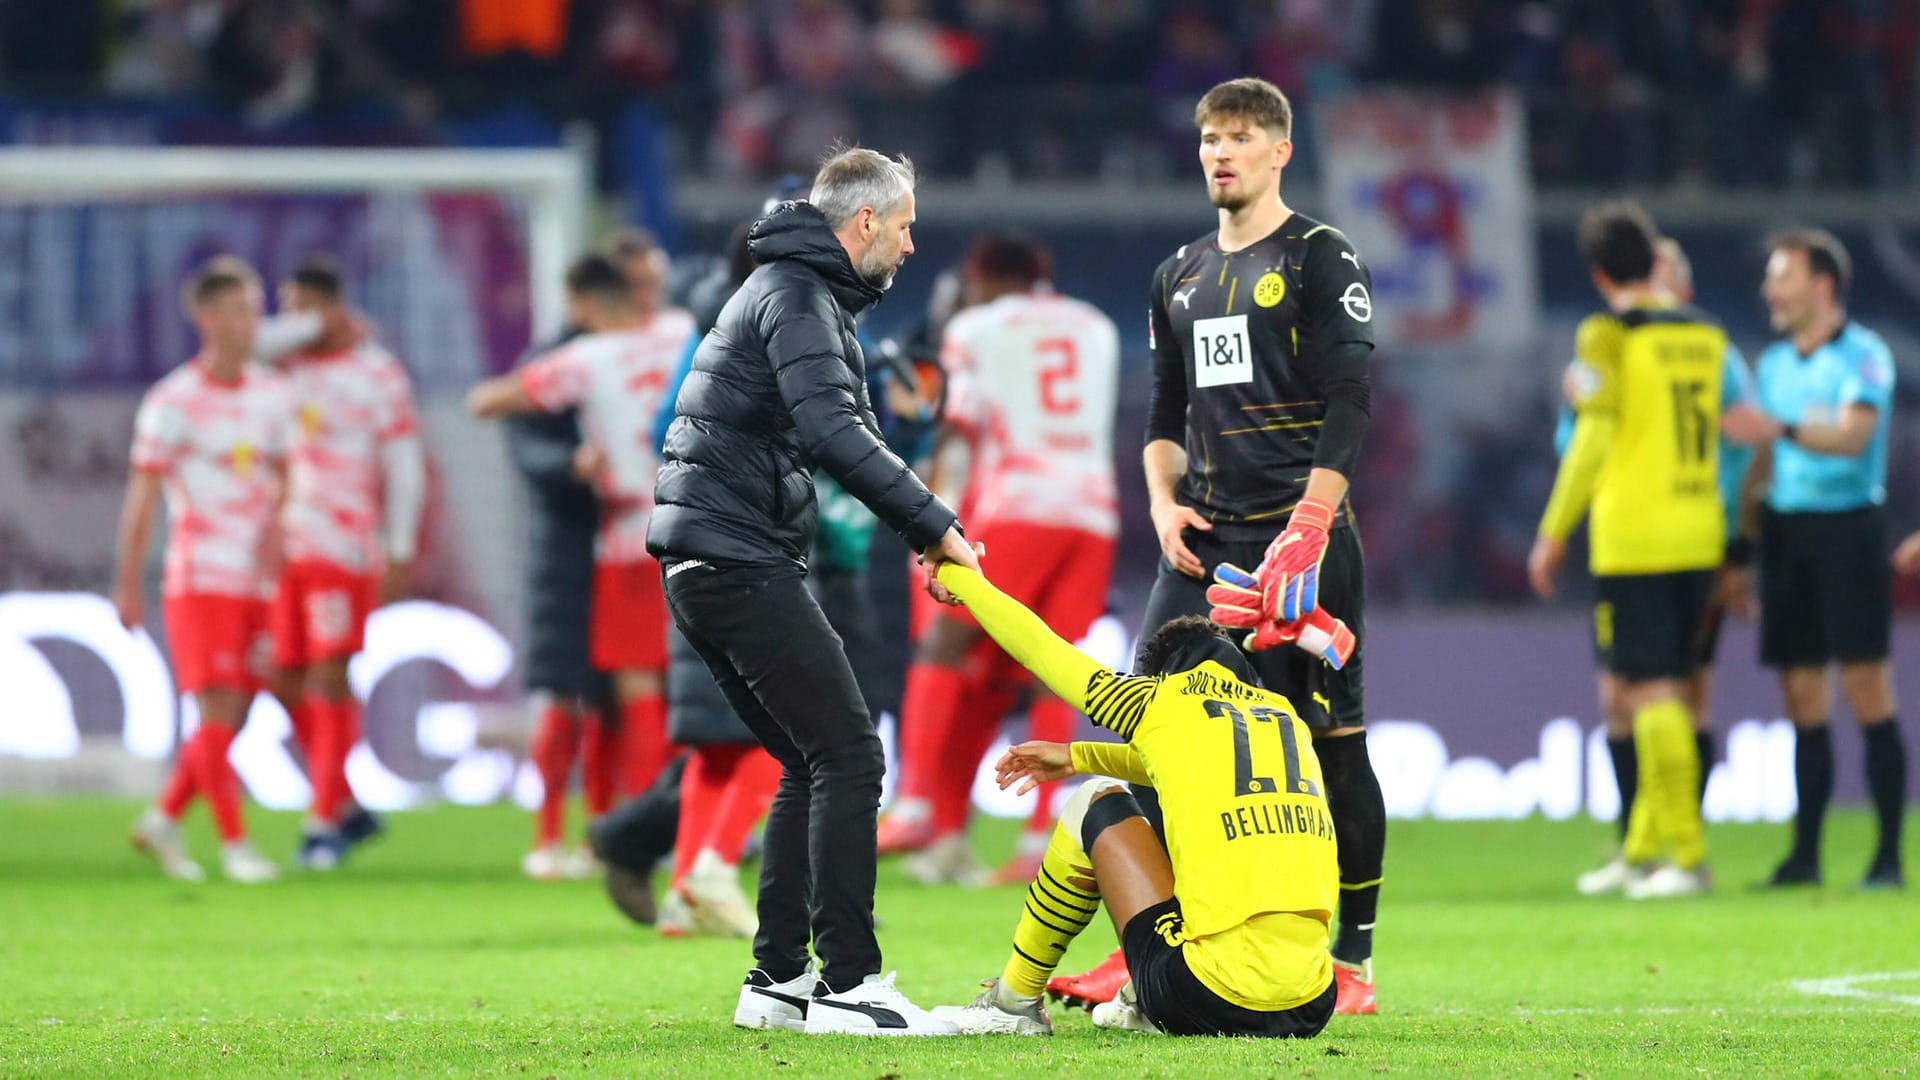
1290 574
1235 596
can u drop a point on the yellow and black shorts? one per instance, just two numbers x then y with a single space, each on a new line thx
1656 626
1173 997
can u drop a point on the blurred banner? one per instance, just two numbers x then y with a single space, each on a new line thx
1471 715
89 290
1435 192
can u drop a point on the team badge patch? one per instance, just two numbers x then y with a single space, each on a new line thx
1270 289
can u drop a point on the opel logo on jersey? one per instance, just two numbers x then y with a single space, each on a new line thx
1270 289
1358 304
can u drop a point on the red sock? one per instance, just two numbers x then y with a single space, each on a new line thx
748 793
336 727
643 731
301 717
1048 720
552 754
708 770
600 764
927 715
179 790
979 713
213 777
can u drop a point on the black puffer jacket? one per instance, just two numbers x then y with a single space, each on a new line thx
778 387
563 514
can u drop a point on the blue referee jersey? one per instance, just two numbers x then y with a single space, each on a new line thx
1851 368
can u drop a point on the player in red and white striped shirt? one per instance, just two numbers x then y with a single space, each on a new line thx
357 481
1032 387
616 374
210 436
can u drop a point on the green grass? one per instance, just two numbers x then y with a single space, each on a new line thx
431 956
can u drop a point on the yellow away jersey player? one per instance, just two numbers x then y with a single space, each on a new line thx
1646 442
1248 832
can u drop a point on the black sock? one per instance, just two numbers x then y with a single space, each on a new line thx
1887 780
1703 744
1813 782
1360 827
1626 773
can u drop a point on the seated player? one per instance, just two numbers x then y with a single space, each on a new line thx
1225 926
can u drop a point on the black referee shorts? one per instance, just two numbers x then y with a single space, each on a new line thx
1703 647
1323 697
1826 588
1172 996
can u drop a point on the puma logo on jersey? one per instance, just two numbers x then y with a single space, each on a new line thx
1181 298
1352 258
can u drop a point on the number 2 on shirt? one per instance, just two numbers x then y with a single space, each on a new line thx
1222 355
1057 372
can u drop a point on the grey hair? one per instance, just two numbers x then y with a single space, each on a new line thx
854 177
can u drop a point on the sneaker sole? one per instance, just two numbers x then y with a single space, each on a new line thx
766 1021
145 847
1021 1026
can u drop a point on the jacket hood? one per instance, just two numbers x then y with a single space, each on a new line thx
797 231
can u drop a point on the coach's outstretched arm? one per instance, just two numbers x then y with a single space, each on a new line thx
823 395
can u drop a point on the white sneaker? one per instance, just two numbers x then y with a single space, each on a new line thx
158 836
675 918
875 1007
579 864
545 863
999 1011
946 861
768 1004
1123 1013
1611 878
712 889
241 863
1669 882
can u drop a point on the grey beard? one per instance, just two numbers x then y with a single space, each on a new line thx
879 276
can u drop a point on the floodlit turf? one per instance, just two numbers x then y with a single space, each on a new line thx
431 956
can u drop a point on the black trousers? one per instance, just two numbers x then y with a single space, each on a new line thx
785 671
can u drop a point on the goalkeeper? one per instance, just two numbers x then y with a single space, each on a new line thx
1225 927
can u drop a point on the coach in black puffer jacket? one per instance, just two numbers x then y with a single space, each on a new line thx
779 385
778 388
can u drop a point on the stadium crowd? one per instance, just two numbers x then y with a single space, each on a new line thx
1636 90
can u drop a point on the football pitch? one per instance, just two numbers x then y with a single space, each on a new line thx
430 955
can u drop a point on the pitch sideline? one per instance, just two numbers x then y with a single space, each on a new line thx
1849 986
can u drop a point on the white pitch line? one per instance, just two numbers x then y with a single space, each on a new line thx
1849 986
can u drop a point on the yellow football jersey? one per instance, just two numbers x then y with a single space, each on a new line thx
1249 835
1653 390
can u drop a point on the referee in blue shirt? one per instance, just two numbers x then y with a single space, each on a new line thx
1826 595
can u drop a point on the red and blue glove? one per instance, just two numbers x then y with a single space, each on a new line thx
1236 599
1290 573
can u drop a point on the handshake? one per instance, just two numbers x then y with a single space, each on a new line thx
1280 602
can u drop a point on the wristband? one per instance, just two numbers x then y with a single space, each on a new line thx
1740 551
1791 433
1312 514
